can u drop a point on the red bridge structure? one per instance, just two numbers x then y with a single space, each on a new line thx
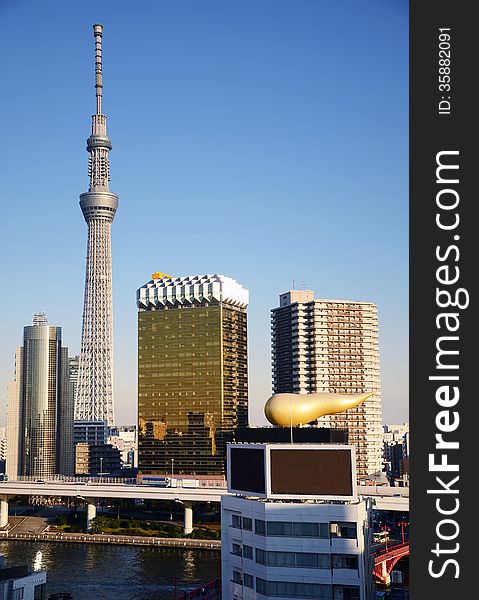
208 591
385 560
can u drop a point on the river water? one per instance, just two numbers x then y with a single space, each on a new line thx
101 572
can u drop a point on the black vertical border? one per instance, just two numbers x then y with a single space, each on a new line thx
431 133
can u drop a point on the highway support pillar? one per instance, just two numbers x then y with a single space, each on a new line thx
188 516
3 511
90 512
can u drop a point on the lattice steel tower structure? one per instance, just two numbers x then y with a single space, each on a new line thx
94 395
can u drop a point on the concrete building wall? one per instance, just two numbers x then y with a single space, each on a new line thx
15 421
255 560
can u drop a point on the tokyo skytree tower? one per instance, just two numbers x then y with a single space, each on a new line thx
94 394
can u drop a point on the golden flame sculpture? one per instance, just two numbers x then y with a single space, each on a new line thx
288 410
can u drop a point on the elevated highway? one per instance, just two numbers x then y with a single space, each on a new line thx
384 498
90 492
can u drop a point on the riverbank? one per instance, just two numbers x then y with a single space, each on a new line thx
115 571
123 540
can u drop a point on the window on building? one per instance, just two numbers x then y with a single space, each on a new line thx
247 551
288 529
261 556
310 560
248 580
237 578
18 594
349 592
280 559
247 523
236 521
344 530
259 527
291 589
236 550
39 592
261 586
344 561
305 560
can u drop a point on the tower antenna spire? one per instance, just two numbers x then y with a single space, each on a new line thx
98 32
94 392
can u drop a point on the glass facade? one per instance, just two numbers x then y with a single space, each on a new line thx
192 386
42 387
40 414
47 408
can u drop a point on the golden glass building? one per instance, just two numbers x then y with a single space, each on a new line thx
192 373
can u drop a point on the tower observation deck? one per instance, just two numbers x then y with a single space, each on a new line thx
94 395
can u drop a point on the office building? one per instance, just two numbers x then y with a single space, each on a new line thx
94 392
90 432
15 420
304 546
192 373
40 407
73 369
332 346
101 459
65 411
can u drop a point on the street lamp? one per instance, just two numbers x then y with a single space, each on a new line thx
386 529
402 525
171 485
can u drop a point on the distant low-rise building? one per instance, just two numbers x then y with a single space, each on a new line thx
96 459
125 439
396 450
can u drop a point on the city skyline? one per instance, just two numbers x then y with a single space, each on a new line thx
242 150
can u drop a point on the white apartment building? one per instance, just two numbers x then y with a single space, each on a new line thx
20 583
323 345
125 439
283 549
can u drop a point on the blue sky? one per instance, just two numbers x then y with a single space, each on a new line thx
262 139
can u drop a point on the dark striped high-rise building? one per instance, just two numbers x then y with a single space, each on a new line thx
322 345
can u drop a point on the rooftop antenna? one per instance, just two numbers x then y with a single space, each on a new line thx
98 32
